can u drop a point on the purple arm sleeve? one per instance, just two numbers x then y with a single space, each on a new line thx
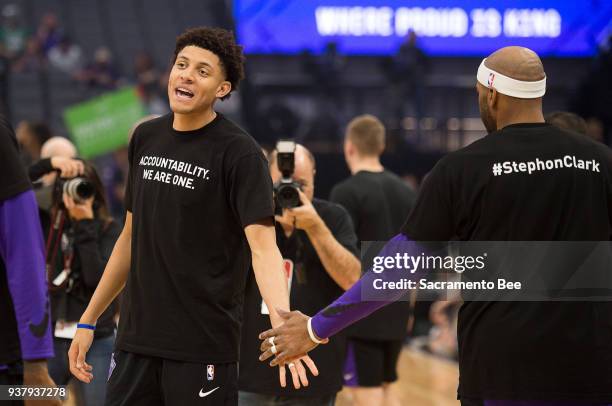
350 307
21 247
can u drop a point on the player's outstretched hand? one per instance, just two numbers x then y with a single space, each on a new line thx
298 372
291 340
76 355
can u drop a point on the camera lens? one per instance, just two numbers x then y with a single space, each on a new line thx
288 196
79 188
84 189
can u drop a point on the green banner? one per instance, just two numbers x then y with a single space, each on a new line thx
101 125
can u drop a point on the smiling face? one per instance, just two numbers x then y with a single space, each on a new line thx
196 80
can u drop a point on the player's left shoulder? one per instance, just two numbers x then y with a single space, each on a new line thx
238 141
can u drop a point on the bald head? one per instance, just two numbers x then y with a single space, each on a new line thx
517 62
58 146
302 155
497 108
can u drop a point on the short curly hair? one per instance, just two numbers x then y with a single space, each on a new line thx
221 43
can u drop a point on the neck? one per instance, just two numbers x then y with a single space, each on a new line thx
193 121
518 116
370 164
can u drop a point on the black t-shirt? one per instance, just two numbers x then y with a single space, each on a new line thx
13 177
191 194
525 350
379 203
311 290
13 181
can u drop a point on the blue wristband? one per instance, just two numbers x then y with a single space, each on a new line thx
87 326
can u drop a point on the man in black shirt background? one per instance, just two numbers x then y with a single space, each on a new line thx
378 202
319 249
525 181
199 213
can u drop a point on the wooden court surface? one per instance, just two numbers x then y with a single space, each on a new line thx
424 380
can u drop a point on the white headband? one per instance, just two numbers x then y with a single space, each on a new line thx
508 86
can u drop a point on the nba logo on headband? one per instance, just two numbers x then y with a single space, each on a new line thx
491 79
210 372
521 89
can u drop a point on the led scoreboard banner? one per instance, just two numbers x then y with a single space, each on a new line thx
444 27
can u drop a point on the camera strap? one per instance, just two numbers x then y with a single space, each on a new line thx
54 238
299 253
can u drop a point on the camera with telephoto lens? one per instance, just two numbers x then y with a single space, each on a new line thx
286 195
79 189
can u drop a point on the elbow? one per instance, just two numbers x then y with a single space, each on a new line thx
265 252
256 257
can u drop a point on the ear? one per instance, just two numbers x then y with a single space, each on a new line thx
348 147
492 98
223 90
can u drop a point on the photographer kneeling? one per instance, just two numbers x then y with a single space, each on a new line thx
78 244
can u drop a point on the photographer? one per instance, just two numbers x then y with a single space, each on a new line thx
57 158
79 244
319 251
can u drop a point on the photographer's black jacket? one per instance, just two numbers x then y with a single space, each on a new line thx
93 242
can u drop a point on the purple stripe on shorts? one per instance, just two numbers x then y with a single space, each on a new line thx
350 367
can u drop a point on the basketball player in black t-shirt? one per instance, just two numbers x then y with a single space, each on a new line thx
378 202
199 213
525 181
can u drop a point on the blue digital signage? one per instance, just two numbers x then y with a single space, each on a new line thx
443 27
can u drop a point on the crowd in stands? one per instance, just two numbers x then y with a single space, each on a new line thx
50 46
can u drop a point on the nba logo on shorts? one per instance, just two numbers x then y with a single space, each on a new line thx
113 364
210 372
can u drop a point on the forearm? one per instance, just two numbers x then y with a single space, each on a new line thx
39 168
21 248
350 307
341 265
113 279
343 312
272 283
